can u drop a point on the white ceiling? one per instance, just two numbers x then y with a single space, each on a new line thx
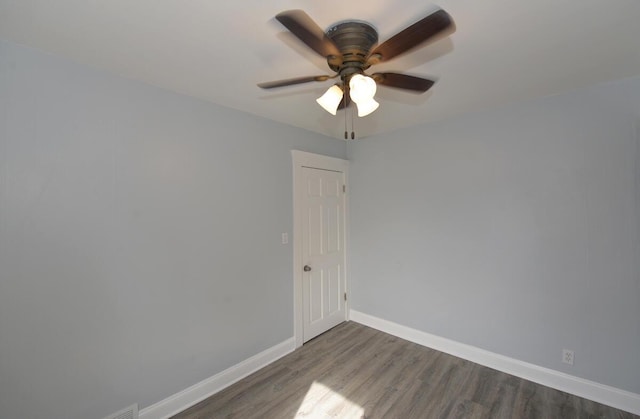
503 51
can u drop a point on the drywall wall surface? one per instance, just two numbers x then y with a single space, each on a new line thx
140 238
514 230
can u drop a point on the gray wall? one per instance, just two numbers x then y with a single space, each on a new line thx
140 235
139 238
513 230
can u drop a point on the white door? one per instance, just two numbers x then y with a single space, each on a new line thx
323 252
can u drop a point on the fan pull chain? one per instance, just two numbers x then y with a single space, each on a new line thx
346 136
353 134
346 108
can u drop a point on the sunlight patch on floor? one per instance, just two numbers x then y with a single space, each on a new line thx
324 402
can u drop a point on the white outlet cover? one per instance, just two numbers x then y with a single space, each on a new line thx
567 356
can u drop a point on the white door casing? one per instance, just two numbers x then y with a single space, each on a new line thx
320 234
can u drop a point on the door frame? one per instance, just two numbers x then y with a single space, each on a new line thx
302 159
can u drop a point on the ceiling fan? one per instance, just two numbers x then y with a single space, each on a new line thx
351 47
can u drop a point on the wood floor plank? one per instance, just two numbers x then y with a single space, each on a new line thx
353 371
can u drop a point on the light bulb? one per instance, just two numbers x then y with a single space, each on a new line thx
331 99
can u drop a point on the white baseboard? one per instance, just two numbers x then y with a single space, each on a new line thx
200 391
610 396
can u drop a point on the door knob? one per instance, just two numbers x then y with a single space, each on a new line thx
306 268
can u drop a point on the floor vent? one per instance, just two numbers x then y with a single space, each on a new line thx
130 412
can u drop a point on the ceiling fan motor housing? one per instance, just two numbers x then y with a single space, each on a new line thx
354 39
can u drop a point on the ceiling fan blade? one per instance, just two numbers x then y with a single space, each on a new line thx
403 81
302 26
290 82
412 36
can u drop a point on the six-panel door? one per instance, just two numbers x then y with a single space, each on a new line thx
323 251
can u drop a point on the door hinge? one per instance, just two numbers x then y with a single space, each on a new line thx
344 188
345 296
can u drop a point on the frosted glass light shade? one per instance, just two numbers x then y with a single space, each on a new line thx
362 88
331 99
366 107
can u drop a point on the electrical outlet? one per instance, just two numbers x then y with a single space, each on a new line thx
567 356
285 238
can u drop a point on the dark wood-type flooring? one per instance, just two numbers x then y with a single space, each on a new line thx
353 371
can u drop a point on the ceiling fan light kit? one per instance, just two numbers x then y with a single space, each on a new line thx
351 47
